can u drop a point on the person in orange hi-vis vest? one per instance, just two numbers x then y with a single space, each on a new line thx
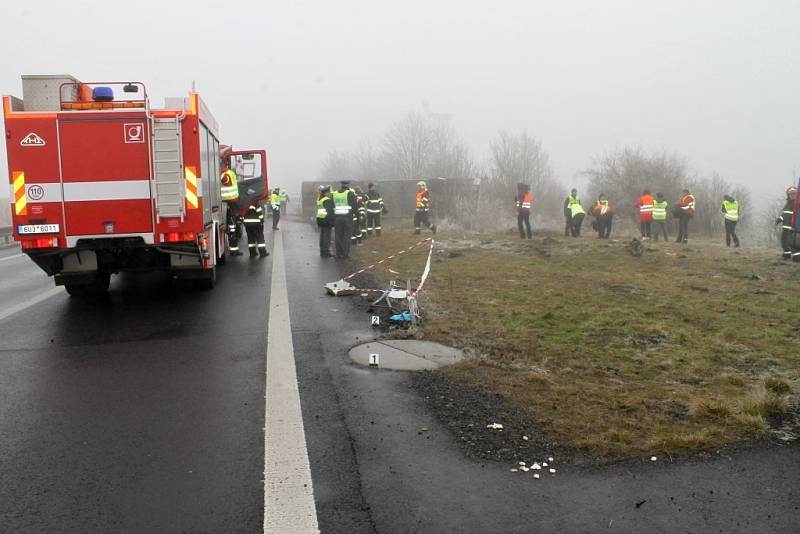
522 201
604 215
645 206
684 209
423 207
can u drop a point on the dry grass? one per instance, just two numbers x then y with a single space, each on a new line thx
614 354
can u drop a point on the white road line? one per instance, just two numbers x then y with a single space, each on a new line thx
288 493
11 257
30 302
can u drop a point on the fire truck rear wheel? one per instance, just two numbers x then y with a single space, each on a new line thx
99 286
207 283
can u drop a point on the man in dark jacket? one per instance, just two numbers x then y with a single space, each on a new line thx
325 212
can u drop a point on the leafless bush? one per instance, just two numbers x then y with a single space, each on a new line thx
625 174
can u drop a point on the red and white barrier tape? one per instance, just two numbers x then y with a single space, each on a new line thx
425 273
387 258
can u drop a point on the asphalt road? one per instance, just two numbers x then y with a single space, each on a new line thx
145 413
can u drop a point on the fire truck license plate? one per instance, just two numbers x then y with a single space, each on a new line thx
38 228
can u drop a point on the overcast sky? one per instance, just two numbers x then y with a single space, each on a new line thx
716 81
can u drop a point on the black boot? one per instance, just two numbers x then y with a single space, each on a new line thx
263 252
253 253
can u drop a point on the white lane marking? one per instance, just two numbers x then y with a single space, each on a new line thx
288 493
30 302
11 257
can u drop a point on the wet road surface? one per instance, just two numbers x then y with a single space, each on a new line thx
145 413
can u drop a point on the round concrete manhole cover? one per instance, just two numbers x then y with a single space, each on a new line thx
405 355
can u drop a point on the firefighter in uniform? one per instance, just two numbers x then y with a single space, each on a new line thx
275 204
325 213
359 217
344 206
254 225
523 203
229 192
785 220
375 208
423 208
730 208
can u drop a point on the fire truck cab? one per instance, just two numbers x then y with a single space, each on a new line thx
101 182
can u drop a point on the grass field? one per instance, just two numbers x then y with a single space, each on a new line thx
688 347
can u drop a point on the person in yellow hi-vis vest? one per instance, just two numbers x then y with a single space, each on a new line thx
730 207
229 192
275 204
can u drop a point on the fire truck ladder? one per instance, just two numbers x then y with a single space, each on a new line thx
168 167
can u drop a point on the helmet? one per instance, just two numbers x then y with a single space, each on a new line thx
421 184
791 189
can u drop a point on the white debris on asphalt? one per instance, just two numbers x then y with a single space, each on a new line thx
534 466
495 426
525 438
653 458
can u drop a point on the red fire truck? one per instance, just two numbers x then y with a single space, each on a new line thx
103 183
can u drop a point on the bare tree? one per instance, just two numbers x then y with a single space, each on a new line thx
408 146
449 158
336 167
368 163
519 158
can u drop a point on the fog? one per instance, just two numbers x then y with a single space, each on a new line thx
715 81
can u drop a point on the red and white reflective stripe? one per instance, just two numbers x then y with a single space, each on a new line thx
526 205
387 258
603 210
645 208
107 190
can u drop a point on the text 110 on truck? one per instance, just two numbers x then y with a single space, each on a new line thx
103 183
